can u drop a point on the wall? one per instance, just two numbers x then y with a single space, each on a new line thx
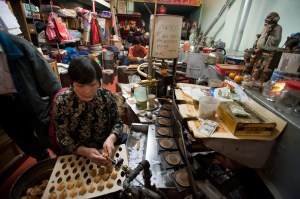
225 29
280 172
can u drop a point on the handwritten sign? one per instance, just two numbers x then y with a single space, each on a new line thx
167 35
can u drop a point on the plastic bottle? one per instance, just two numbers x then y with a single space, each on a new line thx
287 101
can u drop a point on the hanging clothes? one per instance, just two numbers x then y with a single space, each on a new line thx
56 29
87 27
99 30
51 31
94 32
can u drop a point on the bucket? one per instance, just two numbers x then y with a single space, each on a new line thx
208 106
108 55
108 76
108 64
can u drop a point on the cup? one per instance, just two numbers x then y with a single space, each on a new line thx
151 100
208 106
141 97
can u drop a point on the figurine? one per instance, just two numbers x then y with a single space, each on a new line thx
271 33
193 33
266 75
248 62
256 74
292 42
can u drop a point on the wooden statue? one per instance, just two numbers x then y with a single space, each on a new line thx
271 33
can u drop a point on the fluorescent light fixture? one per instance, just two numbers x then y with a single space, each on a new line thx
104 3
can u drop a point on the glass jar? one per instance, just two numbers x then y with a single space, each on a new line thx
272 89
287 101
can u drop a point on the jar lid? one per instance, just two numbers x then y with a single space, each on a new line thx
293 84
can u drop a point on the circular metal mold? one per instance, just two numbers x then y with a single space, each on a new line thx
163 121
182 178
166 143
167 106
164 113
172 159
162 131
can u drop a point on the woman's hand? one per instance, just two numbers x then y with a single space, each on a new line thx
93 155
108 145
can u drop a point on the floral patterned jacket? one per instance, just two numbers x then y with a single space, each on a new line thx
79 123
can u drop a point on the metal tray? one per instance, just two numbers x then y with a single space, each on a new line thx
160 176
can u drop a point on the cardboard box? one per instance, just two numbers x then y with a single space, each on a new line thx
255 124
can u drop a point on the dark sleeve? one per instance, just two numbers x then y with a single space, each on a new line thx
44 72
61 126
115 119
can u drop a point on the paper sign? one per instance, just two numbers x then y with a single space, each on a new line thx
167 35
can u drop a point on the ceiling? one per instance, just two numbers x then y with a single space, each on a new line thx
171 9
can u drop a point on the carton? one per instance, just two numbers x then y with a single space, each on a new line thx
255 124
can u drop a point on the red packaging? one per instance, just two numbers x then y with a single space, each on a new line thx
225 69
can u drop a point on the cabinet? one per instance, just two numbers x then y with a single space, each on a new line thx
128 22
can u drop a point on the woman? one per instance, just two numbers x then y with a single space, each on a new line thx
86 117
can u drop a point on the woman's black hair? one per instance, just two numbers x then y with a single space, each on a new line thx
84 70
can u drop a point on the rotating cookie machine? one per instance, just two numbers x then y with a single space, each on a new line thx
165 35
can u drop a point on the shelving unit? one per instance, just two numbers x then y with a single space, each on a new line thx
127 17
19 14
